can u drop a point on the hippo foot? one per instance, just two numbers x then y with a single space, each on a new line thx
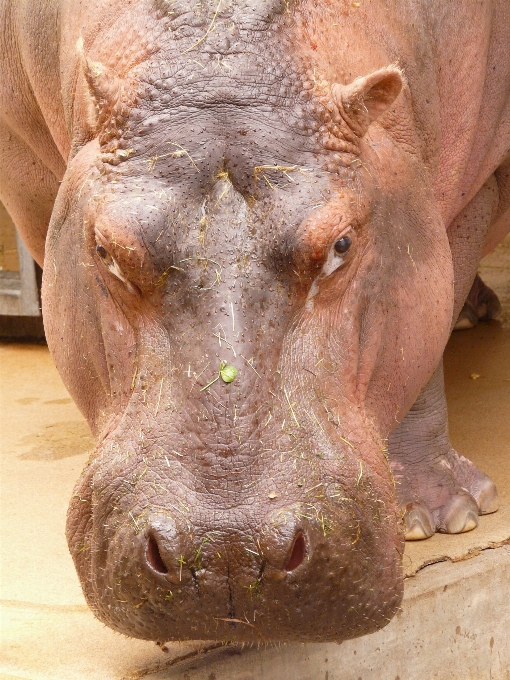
482 304
437 488
446 497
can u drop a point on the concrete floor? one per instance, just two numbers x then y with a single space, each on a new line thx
456 612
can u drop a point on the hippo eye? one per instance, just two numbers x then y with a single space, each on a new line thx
337 255
113 267
342 245
336 258
101 251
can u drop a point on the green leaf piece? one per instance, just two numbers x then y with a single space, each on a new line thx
227 373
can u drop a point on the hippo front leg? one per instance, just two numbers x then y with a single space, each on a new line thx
437 488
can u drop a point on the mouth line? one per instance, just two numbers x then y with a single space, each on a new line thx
234 622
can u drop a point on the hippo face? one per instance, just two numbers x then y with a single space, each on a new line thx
235 278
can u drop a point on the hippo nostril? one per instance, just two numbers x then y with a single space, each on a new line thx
154 556
297 554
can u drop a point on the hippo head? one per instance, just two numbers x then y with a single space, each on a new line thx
236 277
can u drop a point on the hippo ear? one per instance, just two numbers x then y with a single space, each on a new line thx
103 85
366 98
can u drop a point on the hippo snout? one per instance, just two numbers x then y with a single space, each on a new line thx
282 547
282 574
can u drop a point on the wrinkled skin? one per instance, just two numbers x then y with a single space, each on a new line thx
255 184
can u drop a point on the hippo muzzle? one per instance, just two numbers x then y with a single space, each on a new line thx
281 557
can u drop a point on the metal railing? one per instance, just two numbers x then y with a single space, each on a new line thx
18 290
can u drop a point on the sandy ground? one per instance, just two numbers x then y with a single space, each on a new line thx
48 632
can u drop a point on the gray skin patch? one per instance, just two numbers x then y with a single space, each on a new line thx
247 13
235 62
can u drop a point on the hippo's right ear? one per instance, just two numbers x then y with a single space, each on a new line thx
101 90
366 98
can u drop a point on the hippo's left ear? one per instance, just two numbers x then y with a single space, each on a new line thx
366 98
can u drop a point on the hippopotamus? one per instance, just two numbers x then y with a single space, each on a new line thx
258 221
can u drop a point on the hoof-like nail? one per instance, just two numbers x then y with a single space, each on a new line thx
463 324
487 497
419 523
461 514
468 318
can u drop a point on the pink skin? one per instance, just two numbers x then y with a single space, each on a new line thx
283 216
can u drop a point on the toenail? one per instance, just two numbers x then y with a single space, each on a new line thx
461 514
419 523
487 498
